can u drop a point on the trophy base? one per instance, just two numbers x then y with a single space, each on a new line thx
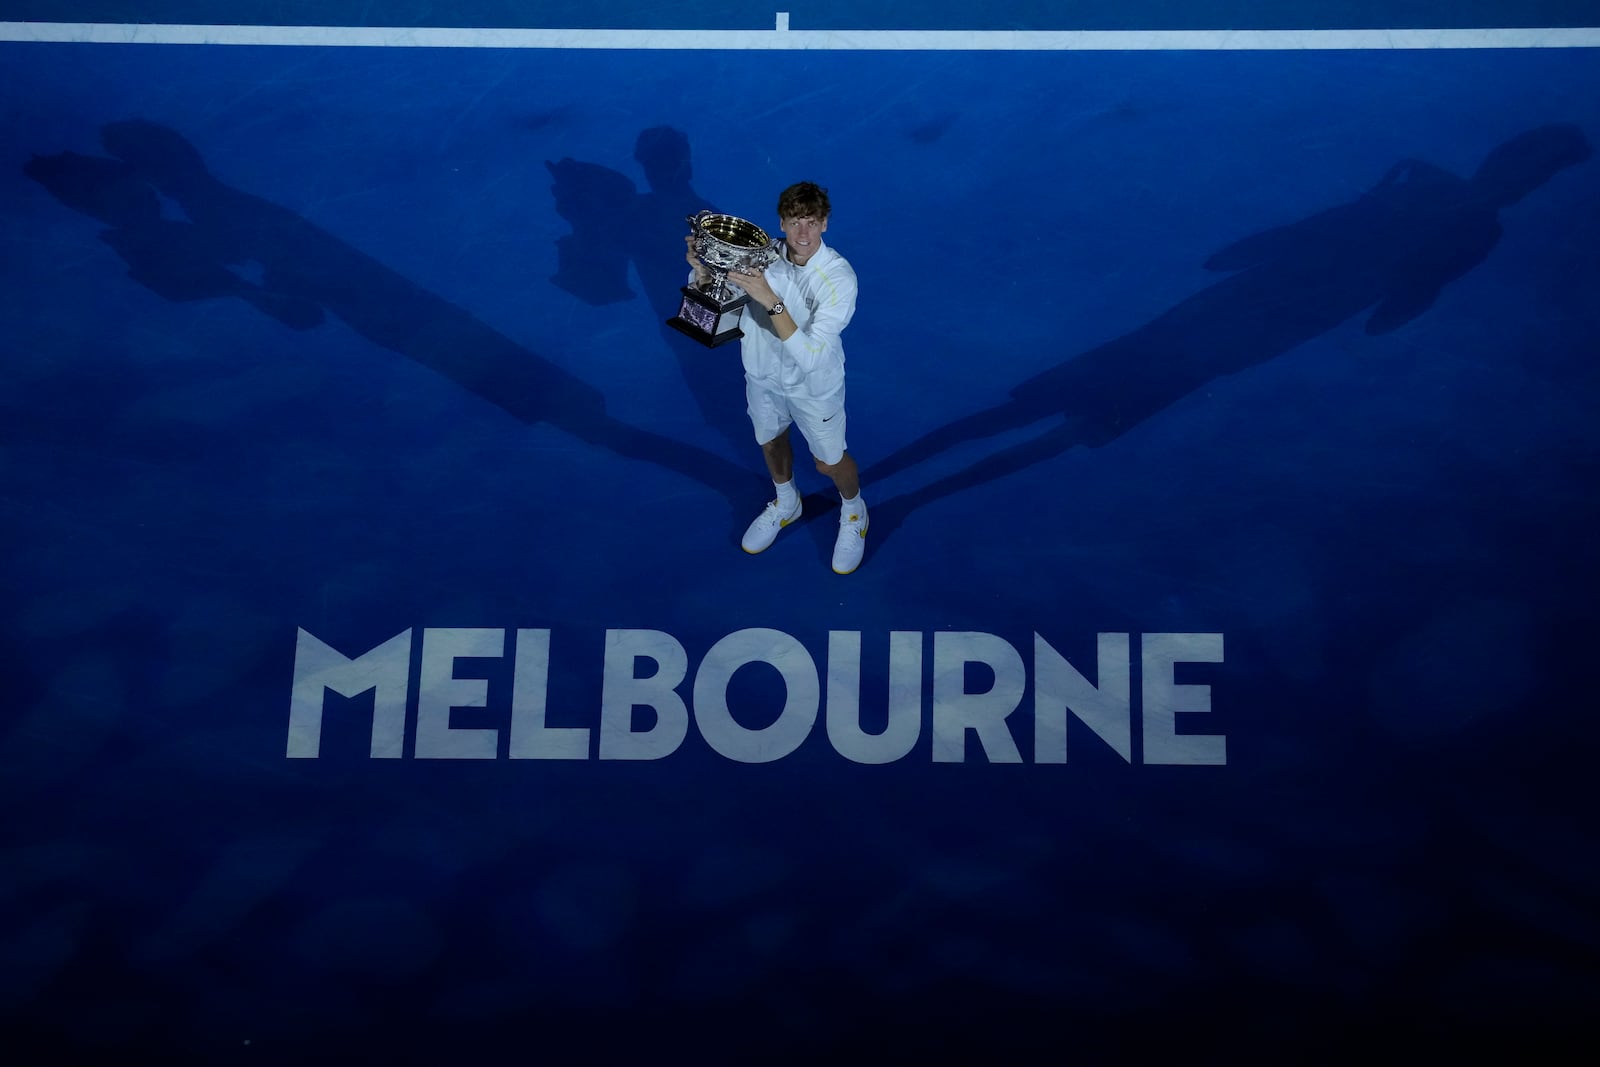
707 320
691 330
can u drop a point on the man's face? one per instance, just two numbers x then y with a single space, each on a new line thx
803 235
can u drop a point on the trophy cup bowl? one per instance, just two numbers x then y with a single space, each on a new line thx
723 243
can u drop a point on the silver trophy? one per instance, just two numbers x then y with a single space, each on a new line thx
710 314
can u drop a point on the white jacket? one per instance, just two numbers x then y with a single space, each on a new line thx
821 298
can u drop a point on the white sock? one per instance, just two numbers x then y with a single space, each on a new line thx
786 494
853 501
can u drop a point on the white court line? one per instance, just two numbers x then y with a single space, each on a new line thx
790 39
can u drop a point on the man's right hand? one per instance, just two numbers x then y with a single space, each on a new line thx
702 276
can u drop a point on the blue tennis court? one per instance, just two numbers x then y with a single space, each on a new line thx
387 684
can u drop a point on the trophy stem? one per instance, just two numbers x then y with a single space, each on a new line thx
719 290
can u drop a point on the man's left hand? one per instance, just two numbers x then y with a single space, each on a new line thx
756 285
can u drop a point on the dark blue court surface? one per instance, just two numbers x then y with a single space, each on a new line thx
386 683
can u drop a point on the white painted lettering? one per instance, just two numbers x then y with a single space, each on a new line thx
317 668
1058 688
530 685
802 696
645 709
844 698
1163 698
621 691
955 711
439 691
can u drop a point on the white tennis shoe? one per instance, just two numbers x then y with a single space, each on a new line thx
852 542
764 531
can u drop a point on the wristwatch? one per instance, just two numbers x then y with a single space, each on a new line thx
776 309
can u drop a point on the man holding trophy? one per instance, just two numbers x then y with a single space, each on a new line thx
800 297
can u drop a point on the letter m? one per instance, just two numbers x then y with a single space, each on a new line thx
317 668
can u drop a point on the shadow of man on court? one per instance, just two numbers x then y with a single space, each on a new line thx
306 273
1391 251
616 229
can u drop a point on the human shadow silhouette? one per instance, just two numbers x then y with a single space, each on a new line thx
307 273
1391 251
616 229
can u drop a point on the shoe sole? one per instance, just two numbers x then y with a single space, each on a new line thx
864 528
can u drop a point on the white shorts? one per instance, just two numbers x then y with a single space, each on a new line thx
821 419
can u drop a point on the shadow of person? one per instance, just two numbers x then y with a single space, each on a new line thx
617 229
177 260
592 261
1391 251
306 272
